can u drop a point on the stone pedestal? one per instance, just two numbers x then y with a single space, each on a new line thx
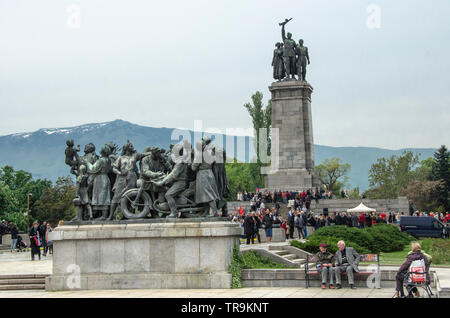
178 254
291 115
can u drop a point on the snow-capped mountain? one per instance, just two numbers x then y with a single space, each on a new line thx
42 152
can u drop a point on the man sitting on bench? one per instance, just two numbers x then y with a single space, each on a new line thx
347 260
325 260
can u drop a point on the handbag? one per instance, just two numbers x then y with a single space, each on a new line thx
36 241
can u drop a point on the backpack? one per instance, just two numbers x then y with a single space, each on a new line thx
417 271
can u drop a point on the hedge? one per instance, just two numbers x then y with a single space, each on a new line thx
375 239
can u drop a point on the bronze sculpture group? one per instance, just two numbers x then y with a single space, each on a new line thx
182 182
289 58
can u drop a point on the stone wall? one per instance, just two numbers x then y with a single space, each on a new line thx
340 205
180 254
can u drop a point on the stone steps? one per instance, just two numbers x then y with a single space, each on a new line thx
23 287
299 261
22 281
280 252
292 255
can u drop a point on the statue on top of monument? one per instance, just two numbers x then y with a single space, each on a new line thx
279 71
289 58
289 54
302 58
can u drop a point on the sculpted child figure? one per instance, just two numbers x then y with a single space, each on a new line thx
72 158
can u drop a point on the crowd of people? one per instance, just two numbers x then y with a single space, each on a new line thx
285 196
296 224
38 235
443 217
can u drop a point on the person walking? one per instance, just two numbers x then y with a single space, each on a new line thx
35 240
42 230
249 227
48 244
291 223
362 220
304 215
355 220
299 223
268 222
258 222
14 236
3 230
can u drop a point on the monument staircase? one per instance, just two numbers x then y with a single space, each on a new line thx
22 281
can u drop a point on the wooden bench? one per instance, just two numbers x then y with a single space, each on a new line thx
312 271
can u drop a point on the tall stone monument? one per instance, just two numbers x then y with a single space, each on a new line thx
291 115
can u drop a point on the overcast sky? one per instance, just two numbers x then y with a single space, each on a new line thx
168 63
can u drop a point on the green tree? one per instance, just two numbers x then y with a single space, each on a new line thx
8 200
261 118
441 171
20 183
330 171
389 177
424 194
354 194
56 203
243 175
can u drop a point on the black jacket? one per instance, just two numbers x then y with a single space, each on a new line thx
249 225
3 229
268 222
34 232
291 221
14 233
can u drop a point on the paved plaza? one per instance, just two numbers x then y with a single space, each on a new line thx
260 292
20 263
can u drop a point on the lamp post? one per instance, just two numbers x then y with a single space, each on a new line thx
28 210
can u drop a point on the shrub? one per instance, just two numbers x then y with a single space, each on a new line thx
375 239
236 265
312 244
347 234
388 238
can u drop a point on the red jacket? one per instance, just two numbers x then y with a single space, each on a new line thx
362 218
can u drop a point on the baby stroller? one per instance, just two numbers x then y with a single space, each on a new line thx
21 244
418 277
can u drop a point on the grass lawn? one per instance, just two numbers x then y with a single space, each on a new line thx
254 261
438 248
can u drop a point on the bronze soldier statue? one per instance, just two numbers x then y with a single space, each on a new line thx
303 57
288 51
177 180
279 71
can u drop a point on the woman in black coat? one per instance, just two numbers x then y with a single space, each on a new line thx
35 240
250 227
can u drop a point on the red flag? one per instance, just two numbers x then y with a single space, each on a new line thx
241 211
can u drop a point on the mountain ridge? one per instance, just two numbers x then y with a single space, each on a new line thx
42 152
